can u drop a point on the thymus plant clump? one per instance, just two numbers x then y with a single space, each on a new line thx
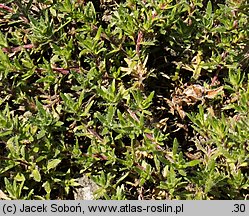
149 99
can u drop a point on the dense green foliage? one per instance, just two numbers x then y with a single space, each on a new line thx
150 98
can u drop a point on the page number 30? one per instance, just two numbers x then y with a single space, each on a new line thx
239 208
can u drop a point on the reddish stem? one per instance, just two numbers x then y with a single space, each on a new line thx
17 49
10 10
61 70
139 39
4 7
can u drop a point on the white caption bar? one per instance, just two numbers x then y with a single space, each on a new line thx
123 208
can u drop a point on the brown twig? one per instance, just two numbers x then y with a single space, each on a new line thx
16 160
111 40
99 156
133 115
95 134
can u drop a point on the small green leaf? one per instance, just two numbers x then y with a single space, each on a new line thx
5 133
41 134
69 102
100 117
146 103
97 37
53 163
121 119
175 147
182 172
40 108
192 163
209 9
20 177
36 175
3 41
110 114
113 88
81 98
87 109
47 187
